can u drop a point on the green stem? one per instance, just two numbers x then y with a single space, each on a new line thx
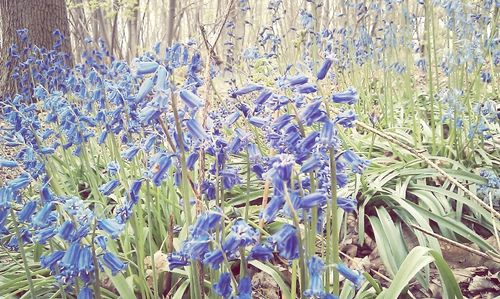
23 253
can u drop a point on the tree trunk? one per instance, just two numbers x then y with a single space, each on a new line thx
171 22
133 35
41 18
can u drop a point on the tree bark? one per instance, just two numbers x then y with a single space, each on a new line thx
171 22
41 18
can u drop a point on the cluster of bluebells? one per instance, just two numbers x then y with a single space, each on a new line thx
491 189
130 109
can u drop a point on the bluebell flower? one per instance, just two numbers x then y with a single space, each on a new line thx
324 68
101 241
135 188
41 219
146 67
259 122
282 121
196 130
271 210
263 97
130 153
113 167
312 113
354 276
213 258
244 288
8 163
232 118
347 204
44 234
160 168
148 114
190 99
113 263
286 242
19 182
50 261
307 88
148 143
315 288
108 188
223 286
191 160
177 260
316 199
69 263
246 89
328 135
25 214
144 89
297 80
349 96
357 163
111 227
260 252
307 144
66 230
85 293
311 164
346 119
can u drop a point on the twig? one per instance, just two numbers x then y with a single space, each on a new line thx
456 244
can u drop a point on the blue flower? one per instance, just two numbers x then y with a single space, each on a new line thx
85 293
25 214
286 242
349 96
41 219
307 88
113 263
259 122
246 89
271 210
66 230
190 99
111 227
113 167
50 261
146 87
297 80
244 288
315 287
20 182
357 163
354 276
260 252
8 163
196 130
146 67
213 259
324 68
223 286
312 113
130 153
316 199
263 97
232 118
108 188
346 119
101 241
148 114
347 204
160 168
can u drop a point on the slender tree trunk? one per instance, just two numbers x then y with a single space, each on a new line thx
171 21
41 18
133 37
